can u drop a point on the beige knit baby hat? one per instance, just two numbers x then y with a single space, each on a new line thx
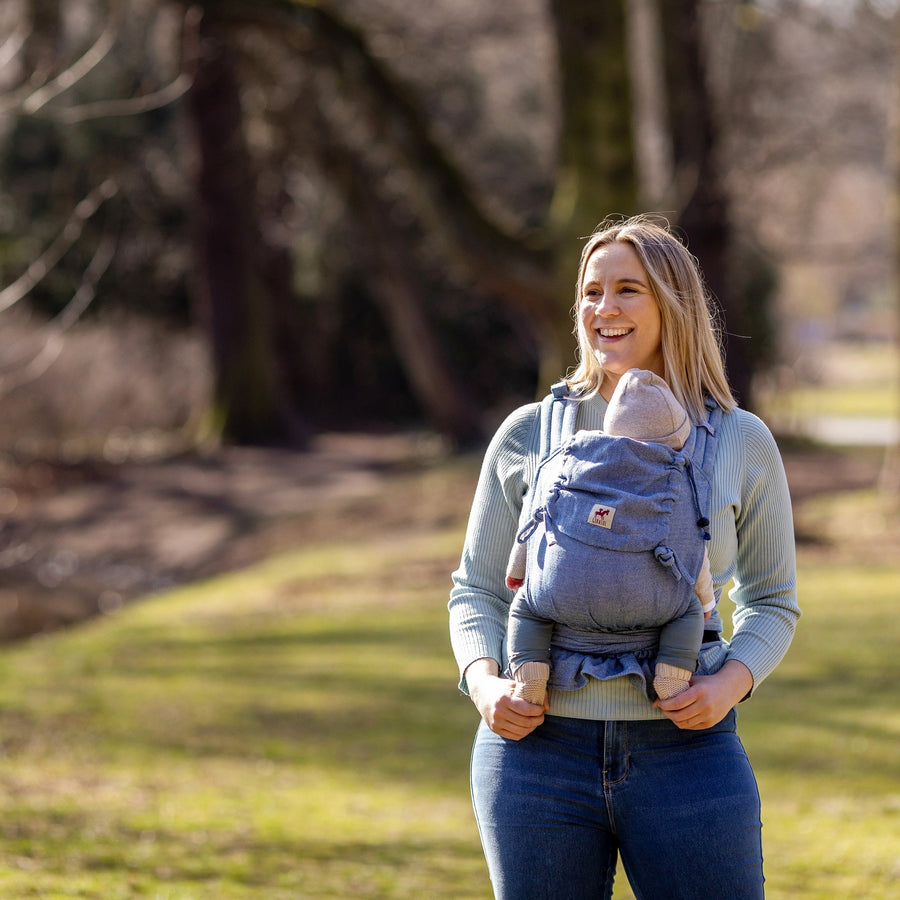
643 407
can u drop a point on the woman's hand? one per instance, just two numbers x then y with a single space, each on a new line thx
510 717
709 698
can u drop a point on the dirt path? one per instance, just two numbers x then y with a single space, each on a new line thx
84 538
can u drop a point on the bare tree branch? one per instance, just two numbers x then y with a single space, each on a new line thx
87 290
130 106
70 233
78 70
60 324
13 45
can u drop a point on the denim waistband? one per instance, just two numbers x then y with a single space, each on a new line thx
646 733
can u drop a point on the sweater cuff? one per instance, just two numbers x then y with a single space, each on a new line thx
468 648
759 655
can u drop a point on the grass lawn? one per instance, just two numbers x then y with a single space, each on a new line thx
824 733
294 731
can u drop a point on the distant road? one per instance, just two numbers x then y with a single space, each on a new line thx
851 431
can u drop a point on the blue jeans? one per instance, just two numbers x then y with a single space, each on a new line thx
681 808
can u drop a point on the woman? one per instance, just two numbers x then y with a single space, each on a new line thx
561 789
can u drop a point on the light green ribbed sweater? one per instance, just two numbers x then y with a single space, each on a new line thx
752 543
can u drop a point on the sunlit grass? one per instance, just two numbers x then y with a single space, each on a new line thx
294 731
291 731
855 401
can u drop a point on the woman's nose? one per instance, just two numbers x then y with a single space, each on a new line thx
605 306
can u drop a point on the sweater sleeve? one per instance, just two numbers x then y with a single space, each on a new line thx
765 582
479 598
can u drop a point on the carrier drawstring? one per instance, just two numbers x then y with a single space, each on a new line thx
541 514
702 521
531 525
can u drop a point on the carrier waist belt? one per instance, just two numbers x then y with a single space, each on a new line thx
605 643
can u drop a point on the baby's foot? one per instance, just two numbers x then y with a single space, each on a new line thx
531 678
670 681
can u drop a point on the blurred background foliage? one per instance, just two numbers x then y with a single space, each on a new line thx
288 216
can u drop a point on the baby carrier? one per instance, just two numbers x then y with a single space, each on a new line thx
615 531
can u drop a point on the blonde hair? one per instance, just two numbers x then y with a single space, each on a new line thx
691 345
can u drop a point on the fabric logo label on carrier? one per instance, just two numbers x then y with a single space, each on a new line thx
601 515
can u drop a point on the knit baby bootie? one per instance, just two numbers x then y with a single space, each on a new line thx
531 678
670 681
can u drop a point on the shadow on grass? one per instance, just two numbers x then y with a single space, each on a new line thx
381 698
340 698
844 723
70 843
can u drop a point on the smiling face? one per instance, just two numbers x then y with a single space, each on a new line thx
619 314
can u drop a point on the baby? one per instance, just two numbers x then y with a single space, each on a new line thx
643 409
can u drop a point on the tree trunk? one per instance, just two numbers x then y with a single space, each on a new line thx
230 298
646 70
705 215
596 174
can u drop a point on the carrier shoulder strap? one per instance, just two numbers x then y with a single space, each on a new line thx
706 441
702 458
556 421
558 414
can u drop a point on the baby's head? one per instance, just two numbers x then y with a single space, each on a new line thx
643 407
